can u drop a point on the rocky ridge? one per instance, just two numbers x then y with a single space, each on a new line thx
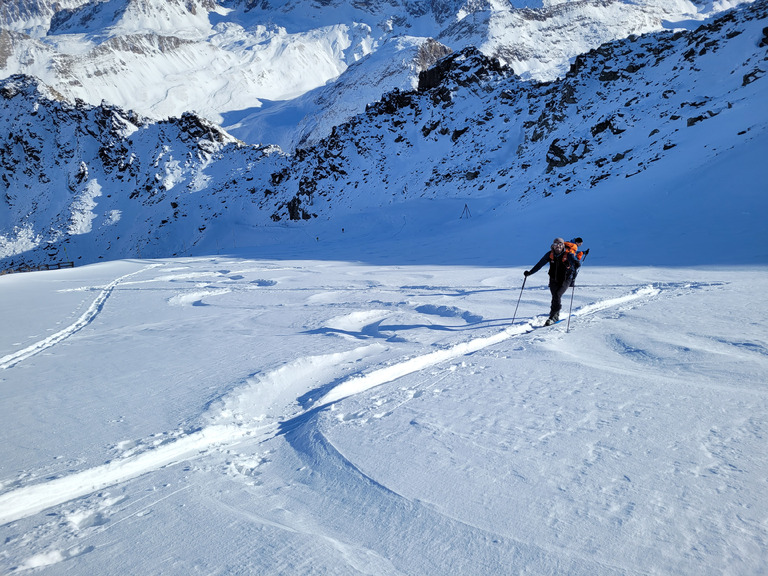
475 128
234 57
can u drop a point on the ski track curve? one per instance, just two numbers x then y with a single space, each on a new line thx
32 499
227 426
35 498
87 317
358 384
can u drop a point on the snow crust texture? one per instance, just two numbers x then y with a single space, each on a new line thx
307 417
317 354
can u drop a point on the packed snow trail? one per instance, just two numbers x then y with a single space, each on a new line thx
228 428
30 500
88 316
383 375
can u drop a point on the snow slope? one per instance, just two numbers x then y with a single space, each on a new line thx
236 415
306 119
350 394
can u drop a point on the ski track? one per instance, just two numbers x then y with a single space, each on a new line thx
358 384
93 310
38 497
32 499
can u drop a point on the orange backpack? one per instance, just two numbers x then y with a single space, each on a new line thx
573 248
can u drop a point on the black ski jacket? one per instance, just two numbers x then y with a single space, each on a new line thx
562 267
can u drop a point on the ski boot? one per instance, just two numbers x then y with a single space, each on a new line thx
553 319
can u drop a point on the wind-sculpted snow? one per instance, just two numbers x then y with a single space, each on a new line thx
232 417
234 414
272 429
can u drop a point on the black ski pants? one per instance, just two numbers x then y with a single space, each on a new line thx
557 291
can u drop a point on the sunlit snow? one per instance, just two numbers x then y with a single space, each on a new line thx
372 391
286 416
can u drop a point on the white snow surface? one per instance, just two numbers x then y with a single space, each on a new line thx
234 414
373 393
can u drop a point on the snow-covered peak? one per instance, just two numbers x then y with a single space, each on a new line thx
166 57
181 18
305 120
638 112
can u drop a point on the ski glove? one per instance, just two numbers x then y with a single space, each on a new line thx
527 273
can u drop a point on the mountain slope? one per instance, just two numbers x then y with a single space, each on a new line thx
165 58
310 117
656 109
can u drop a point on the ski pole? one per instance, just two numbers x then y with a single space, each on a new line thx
573 290
568 324
518 299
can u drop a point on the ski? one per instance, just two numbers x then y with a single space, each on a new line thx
536 326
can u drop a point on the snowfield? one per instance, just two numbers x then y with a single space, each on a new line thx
226 415
370 390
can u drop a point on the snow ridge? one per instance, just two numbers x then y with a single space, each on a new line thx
164 58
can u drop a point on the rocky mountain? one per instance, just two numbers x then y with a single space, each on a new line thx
231 60
86 182
306 119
